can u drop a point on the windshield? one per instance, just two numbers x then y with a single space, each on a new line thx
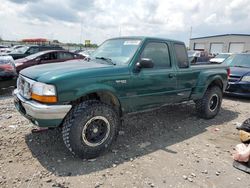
21 50
224 56
118 50
238 60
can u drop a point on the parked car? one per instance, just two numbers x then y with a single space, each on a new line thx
86 53
44 57
4 48
29 50
220 58
239 80
7 68
123 75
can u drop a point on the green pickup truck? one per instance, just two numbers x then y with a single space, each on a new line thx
129 74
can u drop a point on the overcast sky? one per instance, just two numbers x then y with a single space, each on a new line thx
102 19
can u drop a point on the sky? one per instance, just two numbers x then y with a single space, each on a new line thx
97 20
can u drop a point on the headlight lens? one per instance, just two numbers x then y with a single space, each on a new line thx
246 78
43 92
43 89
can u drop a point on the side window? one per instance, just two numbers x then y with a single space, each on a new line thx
181 55
158 53
48 56
64 55
32 50
45 57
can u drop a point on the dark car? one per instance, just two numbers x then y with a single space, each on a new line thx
239 79
7 68
51 56
29 50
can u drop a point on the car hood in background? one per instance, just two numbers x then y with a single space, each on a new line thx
239 71
217 60
21 60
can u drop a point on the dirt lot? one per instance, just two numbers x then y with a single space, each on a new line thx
169 147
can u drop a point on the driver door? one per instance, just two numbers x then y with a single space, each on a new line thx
154 86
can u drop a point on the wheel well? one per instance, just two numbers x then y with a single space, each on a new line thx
216 82
103 96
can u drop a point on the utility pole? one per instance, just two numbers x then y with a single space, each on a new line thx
191 30
190 35
81 31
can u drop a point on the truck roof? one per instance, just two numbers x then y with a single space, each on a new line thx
146 38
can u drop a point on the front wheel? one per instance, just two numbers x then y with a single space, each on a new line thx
90 128
210 104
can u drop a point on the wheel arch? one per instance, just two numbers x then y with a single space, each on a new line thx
217 81
106 96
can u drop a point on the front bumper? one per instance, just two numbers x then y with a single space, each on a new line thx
42 115
238 89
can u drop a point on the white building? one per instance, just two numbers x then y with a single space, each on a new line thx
232 43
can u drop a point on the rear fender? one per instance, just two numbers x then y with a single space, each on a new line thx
208 78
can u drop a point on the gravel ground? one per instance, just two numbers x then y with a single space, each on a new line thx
168 147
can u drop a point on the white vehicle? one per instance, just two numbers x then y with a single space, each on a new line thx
220 58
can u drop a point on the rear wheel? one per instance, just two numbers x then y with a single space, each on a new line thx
209 106
90 128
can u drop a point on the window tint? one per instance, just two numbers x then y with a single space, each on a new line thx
48 56
64 55
181 55
158 53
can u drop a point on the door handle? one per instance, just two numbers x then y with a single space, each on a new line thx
171 75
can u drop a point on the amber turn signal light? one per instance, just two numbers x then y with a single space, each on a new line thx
44 99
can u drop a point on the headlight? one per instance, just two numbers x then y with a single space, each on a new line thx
43 92
246 79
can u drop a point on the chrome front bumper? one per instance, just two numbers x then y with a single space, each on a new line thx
34 110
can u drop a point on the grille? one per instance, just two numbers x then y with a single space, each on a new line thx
233 78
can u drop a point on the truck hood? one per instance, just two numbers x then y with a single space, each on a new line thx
239 71
55 70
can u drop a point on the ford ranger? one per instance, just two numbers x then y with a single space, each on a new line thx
87 98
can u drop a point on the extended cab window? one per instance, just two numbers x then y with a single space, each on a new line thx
181 55
158 53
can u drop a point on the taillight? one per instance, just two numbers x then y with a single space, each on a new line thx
228 73
7 67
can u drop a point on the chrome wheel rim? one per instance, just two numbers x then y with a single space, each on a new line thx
96 131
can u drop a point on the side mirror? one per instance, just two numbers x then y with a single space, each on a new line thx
144 63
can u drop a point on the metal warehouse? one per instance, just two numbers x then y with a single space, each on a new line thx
232 43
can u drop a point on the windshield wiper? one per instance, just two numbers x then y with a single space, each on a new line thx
240 66
106 59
